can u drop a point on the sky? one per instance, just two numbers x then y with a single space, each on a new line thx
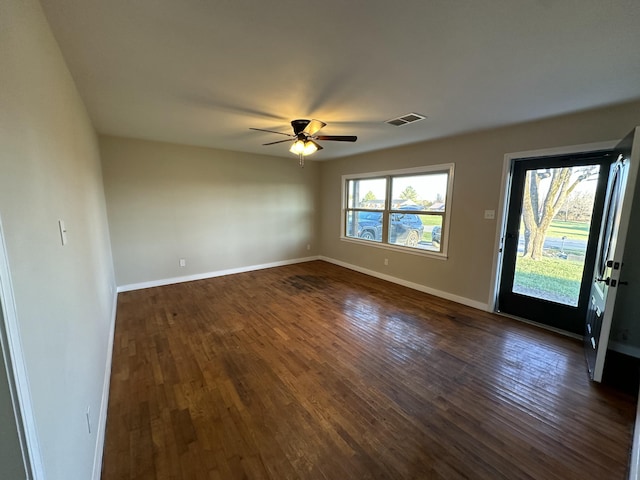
428 186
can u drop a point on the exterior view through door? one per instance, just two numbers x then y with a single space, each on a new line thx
553 220
564 242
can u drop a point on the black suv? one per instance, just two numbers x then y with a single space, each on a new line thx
435 236
406 228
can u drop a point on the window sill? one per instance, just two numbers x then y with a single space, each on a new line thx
384 246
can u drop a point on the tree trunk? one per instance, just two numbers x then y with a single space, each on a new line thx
538 213
528 213
537 243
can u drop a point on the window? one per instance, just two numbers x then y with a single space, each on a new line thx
402 209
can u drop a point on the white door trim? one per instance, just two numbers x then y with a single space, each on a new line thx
11 346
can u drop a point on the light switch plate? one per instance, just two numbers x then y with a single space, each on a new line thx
63 232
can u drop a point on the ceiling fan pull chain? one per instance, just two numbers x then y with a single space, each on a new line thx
301 161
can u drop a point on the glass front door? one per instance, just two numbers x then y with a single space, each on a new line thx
549 246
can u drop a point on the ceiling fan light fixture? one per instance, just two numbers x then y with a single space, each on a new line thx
298 147
304 147
309 147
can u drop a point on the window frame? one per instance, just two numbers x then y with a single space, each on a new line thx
387 211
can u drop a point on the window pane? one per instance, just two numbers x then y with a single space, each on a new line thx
367 193
405 209
364 225
426 192
551 259
431 237
415 230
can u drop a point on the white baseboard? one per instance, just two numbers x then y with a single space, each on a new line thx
415 286
630 350
219 273
104 403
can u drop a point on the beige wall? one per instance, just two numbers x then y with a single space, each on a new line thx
479 160
50 170
218 210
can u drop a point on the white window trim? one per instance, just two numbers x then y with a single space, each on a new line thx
444 241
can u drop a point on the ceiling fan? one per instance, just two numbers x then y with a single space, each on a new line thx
304 135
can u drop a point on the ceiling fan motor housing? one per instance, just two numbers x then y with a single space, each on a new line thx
299 125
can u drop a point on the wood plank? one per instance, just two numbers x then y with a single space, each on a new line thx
314 371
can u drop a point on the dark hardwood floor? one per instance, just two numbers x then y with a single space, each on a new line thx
312 371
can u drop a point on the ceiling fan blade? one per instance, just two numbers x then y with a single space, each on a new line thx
313 127
338 138
279 141
270 131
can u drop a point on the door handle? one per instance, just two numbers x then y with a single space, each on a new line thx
608 281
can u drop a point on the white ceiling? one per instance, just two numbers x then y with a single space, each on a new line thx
201 72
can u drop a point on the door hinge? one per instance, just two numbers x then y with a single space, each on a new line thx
614 265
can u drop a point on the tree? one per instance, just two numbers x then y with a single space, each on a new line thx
579 207
409 193
538 210
368 197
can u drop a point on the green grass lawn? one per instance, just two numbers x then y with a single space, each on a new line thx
550 278
553 278
429 221
572 230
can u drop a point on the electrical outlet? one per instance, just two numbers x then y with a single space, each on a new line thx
183 262
489 214
386 261
308 246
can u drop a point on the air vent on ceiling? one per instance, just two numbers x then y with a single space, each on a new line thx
405 119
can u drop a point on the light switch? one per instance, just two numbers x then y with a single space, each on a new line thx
63 232
489 214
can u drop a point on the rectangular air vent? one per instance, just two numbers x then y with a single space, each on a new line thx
406 119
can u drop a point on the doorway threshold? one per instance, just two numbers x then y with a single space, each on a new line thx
540 325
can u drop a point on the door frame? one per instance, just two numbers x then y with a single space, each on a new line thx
501 217
11 349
